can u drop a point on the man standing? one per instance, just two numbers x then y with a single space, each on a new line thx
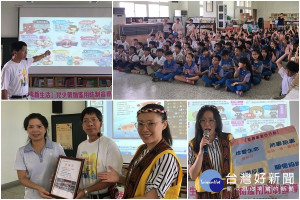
14 78
99 153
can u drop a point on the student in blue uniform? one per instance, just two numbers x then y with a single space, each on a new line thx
267 62
204 62
190 71
227 65
243 73
215 73
257 66
169 69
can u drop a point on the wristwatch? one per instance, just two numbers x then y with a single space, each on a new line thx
85 192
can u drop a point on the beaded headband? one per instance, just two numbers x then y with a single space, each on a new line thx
209 106
156 110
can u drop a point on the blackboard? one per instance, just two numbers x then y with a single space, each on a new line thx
6 55
140 29
78 135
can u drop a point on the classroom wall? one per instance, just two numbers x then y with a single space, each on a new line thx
9 13
265 8
13 136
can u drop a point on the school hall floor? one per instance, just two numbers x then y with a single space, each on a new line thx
138 87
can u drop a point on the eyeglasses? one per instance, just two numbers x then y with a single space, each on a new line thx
38 126
93 120
148 124
204 121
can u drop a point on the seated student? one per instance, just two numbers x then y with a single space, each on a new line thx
161 42
157 63
139 49
237 55
257 66
145 61
169 70
152 46
248 50
215 73
185 47
166 47
227 65
200 46
243 73
120 57
190 71
275 52
267 62
287 75
229 48
134 42
217 51
196 56
190 50
178 56
151 38
132 60
123 42
204 62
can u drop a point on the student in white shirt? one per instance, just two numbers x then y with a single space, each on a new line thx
190 28
157 63
123 42
146 60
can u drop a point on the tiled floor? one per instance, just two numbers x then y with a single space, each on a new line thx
133 86
16 192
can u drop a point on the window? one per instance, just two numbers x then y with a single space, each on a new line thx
153 10
164 11
140 10
243 4
156 10
201 8
129 8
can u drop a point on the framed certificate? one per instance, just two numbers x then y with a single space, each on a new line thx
66 178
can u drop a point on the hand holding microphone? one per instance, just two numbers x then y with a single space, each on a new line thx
205 141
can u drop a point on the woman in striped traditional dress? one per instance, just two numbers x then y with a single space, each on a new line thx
155 171
211 152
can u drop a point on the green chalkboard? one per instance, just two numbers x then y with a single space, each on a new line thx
139 29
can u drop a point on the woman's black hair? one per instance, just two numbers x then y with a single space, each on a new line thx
166 133
38 116
198 130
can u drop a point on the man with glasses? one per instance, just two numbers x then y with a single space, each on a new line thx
99 153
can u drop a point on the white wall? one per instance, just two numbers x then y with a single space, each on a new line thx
9 13
13 136
265 8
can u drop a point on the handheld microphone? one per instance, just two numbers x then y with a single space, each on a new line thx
205 134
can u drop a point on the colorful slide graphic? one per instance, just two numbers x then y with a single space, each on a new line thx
72 41
244 118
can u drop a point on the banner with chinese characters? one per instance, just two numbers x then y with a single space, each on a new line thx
266 165
82 93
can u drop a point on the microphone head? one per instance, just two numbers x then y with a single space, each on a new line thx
206 133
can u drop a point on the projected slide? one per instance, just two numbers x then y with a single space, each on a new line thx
125 118
244 118
72 41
